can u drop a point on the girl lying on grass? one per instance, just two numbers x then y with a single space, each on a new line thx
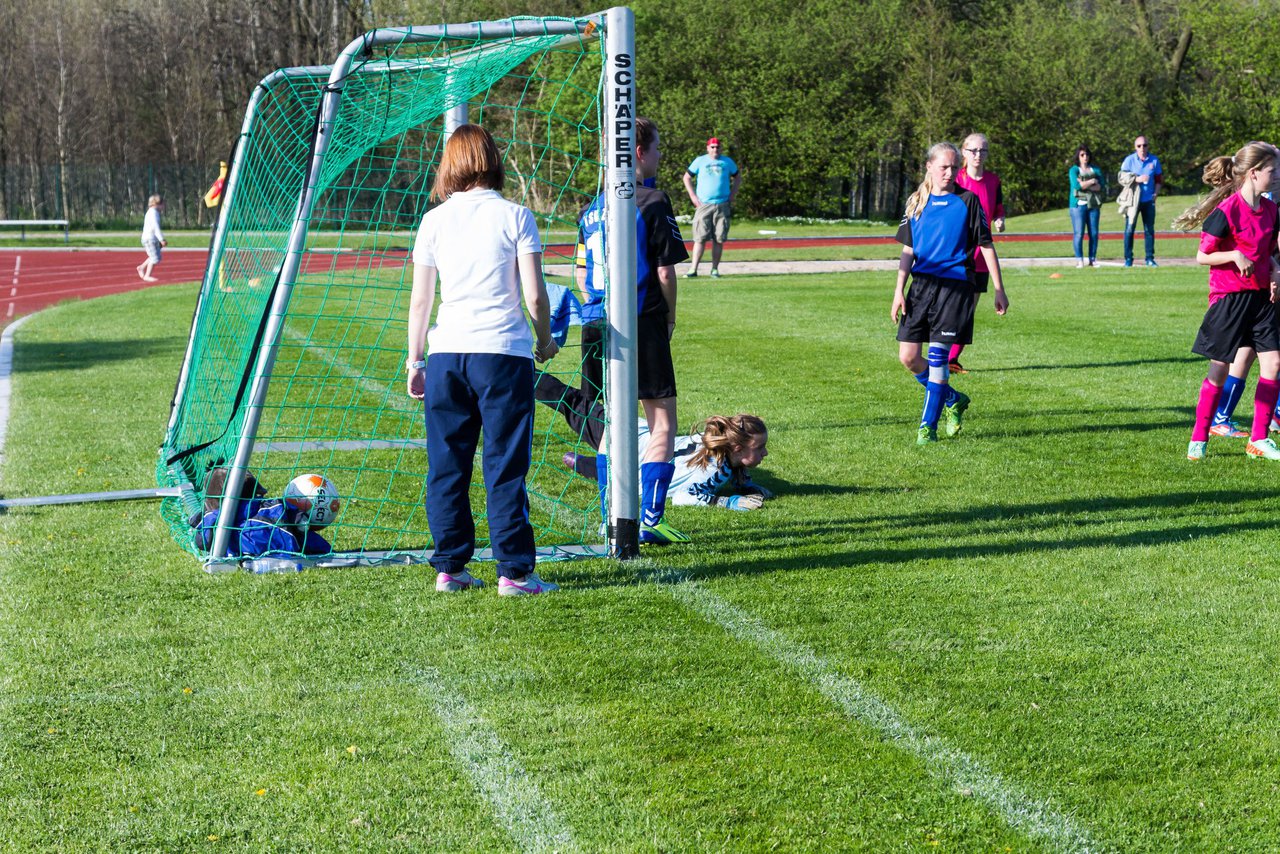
713 464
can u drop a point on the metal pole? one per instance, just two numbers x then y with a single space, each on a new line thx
454 118
329 107
618 128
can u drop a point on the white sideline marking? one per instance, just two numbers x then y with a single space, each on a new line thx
513 794
6 373
348 371
1021 811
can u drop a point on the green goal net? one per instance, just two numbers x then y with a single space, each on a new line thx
296 357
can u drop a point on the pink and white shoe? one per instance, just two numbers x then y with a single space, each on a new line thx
530 585
446 583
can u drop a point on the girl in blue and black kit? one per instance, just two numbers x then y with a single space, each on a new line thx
939 235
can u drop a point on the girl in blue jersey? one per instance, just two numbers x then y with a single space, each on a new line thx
939 235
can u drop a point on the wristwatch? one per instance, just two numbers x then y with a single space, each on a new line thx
415 366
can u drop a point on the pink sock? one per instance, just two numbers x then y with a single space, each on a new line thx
1264 401
1205 408
956 350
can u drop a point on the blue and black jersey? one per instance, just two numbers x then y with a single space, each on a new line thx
658 244
944 236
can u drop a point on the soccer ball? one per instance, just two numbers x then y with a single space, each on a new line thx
315 498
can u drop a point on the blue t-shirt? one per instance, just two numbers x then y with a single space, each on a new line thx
944 236
714 176
658 244
566 311
1149 167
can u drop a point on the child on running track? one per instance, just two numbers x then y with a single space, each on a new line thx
939 235
152 238
1238 236
984 184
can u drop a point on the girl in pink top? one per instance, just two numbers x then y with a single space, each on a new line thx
1238 236
975 178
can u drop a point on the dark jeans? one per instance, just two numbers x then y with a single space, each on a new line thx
465 392
1085 218
1147 210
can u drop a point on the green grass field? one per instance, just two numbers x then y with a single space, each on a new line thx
1049 633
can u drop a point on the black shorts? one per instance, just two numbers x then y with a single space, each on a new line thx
980 281
938 310
1241 319
657 373
593 359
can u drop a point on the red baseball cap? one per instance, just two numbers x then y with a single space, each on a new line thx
713 141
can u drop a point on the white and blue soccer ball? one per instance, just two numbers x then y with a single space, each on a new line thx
314 498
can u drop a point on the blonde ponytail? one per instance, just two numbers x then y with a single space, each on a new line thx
1225 175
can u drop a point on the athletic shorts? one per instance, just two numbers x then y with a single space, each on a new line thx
1240 319
711 223
980 281
656 370
153 250
593 359
938 310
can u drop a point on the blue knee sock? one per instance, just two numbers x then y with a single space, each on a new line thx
655 480
936 390
1232 390
923 379
602 478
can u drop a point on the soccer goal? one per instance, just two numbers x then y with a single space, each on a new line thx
295 361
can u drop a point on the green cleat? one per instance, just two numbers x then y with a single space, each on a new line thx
926 435
955 414
661 534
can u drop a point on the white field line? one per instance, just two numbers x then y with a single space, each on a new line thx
1031 815
512 793
546 504
351 373
6 376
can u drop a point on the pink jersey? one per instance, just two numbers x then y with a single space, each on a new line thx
1234 225
987 189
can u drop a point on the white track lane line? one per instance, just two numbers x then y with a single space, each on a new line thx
512 793
13 292
1022 811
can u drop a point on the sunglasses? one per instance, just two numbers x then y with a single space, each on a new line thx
977 150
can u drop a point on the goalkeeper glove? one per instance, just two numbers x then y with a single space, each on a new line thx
740 502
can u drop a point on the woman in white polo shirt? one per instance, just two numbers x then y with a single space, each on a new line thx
486 253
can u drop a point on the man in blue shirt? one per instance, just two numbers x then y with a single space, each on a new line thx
1149 176
717 179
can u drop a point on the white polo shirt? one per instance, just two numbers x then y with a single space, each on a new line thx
475 240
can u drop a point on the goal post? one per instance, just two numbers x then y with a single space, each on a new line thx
295 358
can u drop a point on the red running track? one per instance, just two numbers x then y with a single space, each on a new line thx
31 279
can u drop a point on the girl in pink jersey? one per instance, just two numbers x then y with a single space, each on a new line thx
1238 236
984 184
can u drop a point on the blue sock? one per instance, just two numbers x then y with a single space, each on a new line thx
602 478
922 377
1232 390
937 392
934 394
655 479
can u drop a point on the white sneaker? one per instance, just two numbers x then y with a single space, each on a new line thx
1195 451
530 585
1079 265
446 583
1263 449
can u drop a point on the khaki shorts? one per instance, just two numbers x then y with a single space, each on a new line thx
711 223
